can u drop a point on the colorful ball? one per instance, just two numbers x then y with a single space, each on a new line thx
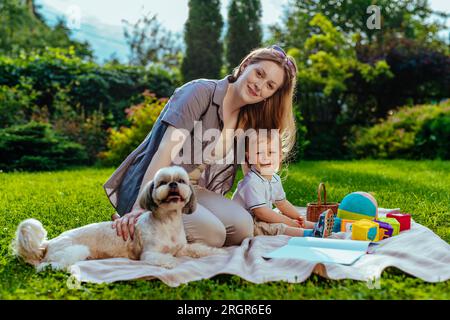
358 205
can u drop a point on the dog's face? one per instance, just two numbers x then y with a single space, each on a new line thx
170 190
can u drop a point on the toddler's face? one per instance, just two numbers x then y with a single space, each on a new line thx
265 155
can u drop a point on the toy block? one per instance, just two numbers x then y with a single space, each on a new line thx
393 223
403 218
386 229
365 230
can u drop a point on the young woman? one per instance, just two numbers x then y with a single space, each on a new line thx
257 95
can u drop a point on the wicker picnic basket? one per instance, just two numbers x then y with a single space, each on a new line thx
313 210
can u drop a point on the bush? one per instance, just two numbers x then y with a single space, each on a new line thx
16 104
79 98
421 76
111 87
123 141
412 132
76 125
88 131
35 146
433 140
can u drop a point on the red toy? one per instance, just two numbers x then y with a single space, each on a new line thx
403 218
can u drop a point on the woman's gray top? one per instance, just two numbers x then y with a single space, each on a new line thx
198 100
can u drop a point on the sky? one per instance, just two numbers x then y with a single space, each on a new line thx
100 21
171 13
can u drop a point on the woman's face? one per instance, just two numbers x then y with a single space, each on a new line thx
259 81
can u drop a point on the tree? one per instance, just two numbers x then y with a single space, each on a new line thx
351 75
329 70
244 30
407 18
22 28
332 60
203 57
151 43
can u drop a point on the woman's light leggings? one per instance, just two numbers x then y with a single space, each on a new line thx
217 221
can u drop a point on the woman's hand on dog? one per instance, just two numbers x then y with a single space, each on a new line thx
125 225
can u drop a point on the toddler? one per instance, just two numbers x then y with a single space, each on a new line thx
261 187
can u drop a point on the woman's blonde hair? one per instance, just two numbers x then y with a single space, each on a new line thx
275 112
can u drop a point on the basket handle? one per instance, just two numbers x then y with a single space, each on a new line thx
322 186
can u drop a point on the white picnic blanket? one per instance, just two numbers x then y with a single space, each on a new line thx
418 252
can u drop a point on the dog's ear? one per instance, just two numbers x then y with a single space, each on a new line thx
192 204
146 197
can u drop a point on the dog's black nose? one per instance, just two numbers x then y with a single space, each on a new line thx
173 185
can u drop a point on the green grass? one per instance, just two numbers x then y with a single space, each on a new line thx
67 199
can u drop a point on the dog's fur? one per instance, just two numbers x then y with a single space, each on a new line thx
159 234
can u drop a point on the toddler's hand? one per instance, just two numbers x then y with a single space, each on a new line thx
296 223
301 221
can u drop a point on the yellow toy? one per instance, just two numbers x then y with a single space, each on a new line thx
393 223
365 230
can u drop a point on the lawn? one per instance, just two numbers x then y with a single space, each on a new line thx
67 199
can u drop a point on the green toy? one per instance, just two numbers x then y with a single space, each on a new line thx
393 223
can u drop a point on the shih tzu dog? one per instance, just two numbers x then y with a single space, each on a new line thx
159 234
